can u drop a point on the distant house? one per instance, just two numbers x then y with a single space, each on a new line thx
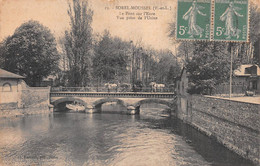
248 75
10 87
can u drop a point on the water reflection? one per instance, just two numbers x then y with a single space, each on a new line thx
108 139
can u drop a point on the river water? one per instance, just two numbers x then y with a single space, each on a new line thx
108 139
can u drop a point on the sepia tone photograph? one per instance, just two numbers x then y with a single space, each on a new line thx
130 82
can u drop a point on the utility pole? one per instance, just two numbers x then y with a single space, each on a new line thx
230 74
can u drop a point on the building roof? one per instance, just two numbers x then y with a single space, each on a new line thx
243 70
7 74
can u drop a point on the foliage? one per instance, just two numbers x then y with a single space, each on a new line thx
172 29
166 69
209 66
78 43
255 32
110 59
2 50
31 52
174 72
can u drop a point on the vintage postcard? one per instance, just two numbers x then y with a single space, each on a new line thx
129 82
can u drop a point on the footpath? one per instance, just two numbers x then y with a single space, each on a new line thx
246 99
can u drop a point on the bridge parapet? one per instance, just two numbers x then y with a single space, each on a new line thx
106 89
115 94
128 99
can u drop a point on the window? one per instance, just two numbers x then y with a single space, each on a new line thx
254 70
247 70
254 85
7 87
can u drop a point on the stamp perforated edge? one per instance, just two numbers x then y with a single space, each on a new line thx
212 20
211 39
233 41
176 25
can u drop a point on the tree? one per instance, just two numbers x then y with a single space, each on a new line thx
165 67
2 52
110 61
254 33
78 43
209 66
31 51
173 73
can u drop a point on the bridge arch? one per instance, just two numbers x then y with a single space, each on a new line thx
157 101
98 103
69 99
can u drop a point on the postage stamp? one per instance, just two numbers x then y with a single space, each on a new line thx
231 20
193 19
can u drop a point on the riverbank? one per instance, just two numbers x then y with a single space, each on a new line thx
234 124
12 111
27 101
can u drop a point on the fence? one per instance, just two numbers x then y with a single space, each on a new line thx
237 89
106 89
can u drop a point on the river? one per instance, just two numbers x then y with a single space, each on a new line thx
109 139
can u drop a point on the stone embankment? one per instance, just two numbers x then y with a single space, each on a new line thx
32 101
234 124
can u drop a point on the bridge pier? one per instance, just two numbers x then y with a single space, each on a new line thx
137 108
132 110
90 109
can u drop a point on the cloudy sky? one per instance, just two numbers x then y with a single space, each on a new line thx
53 14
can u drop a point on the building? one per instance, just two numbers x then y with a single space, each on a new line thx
10 87
16 98
182 94
249 76
182 83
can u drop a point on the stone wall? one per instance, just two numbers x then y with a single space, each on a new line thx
32 100
40 108
34 95
234 124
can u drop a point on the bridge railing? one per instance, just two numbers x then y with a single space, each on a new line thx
106 89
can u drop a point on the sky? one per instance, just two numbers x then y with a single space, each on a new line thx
53 14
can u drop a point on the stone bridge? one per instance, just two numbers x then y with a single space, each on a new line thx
131 100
